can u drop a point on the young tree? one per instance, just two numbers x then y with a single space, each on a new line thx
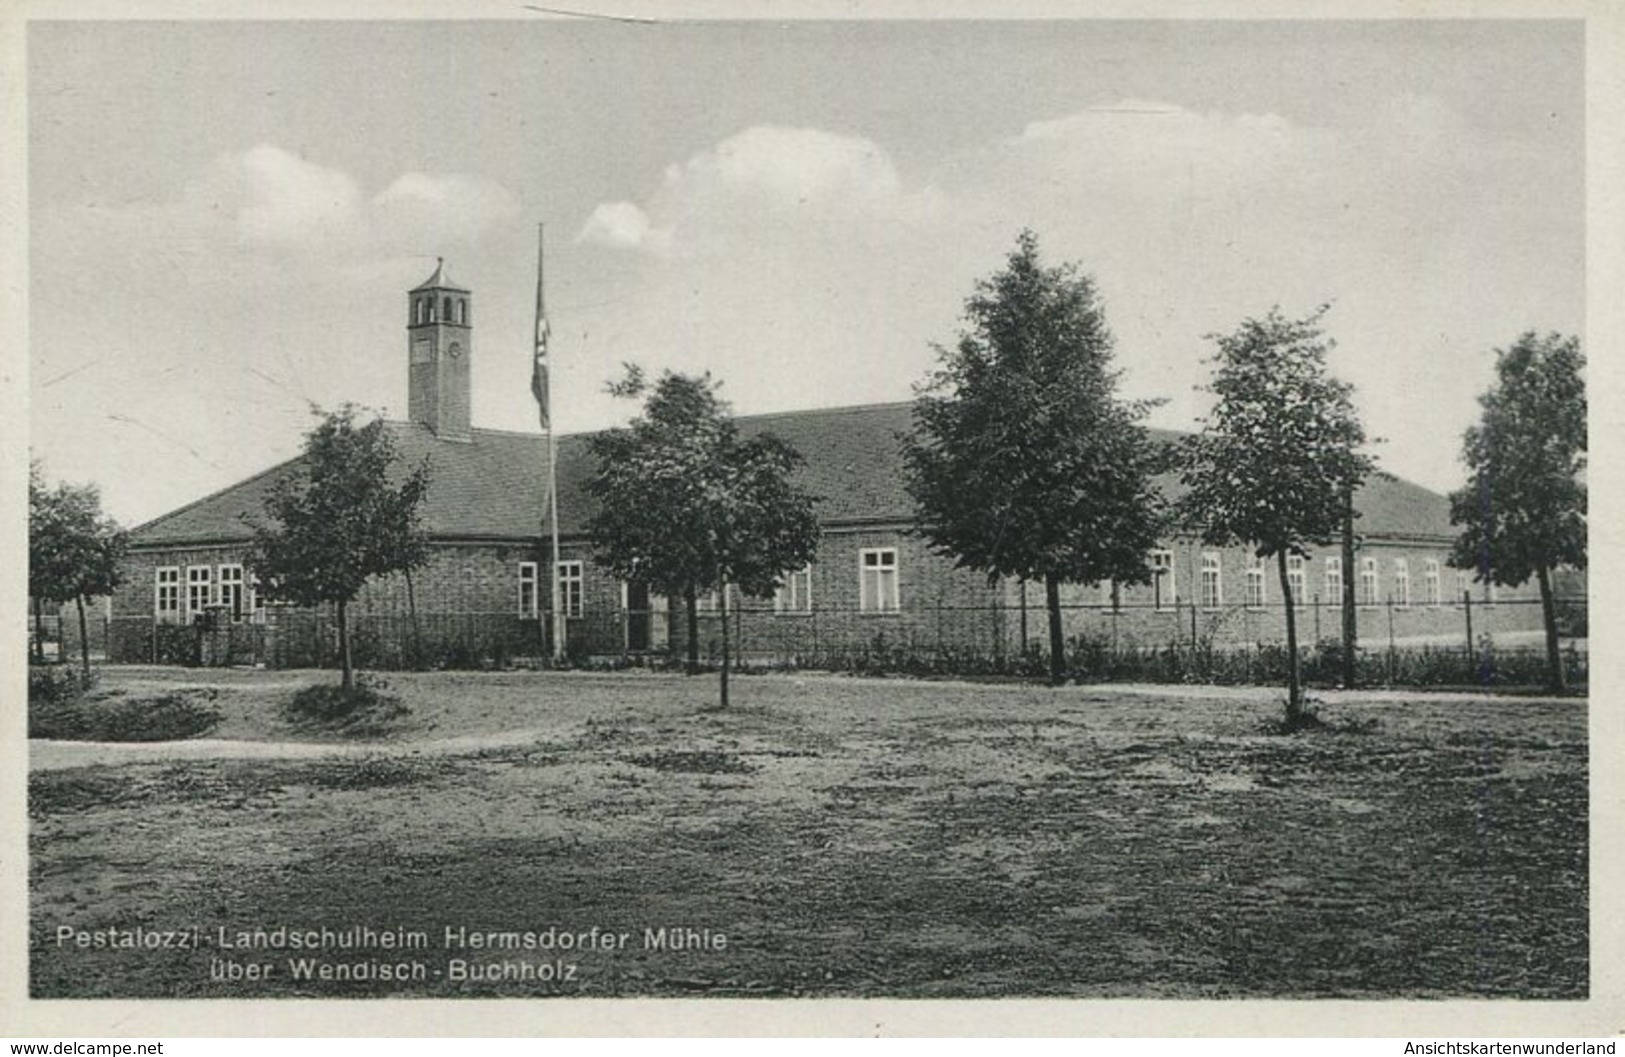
339 521
73 552
687 507
1523 509
1023 462
1278 457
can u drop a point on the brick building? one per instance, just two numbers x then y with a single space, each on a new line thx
874 584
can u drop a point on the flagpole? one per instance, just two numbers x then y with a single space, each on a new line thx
551 517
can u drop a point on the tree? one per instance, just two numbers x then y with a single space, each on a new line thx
1279 455
1523 510
1023 462
74 552
687 507
339 521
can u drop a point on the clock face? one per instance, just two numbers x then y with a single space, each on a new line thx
455 351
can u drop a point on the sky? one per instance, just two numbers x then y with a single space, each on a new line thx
224 218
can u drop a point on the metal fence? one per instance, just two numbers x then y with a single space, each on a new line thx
1465 643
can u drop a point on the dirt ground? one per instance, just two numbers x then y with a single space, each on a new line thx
846 837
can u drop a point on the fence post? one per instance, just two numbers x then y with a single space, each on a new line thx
1391 658
1467 607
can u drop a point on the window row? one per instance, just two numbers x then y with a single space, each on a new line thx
449 310
1369 590
227 587
878 590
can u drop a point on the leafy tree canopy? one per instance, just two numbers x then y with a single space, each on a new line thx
685 504
337 520
1023 463
1276 460
74 551
1524 504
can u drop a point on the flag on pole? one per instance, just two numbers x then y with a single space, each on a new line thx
538 369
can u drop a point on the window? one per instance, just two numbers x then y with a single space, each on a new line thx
1163 593
448 309
1255 583
166 604
431 310
231 590
529 599
1402 583
570 588
462 311
198 582
1332 581
1297 579
417 311
877 590
706 601
1462 586
795 593
1370 591
1430 582
1212 583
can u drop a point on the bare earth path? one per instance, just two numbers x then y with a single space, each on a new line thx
848 837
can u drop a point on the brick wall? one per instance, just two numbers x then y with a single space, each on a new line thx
468 600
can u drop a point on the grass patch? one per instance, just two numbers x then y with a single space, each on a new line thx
168 717
692 762
366 710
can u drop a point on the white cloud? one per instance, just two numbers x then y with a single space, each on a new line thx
619 224
441 209
803 182
284 199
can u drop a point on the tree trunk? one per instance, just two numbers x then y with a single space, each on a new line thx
1294 689
39 629
722 608
1351 616
84 637
1555 677
348 681
1057 647
691 604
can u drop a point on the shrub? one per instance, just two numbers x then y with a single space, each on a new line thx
168 717
52 685
365 710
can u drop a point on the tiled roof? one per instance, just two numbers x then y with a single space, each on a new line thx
491 486
440 280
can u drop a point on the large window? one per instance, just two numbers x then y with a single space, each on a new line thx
877 588
570 578
166 601
1430 582
1255 583
795 593
199 580
1163 591
1332 581
529 598
1462 586
1212 581
1402 582
1370 589
231 590
1297 580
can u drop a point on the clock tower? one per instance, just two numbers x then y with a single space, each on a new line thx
438 333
